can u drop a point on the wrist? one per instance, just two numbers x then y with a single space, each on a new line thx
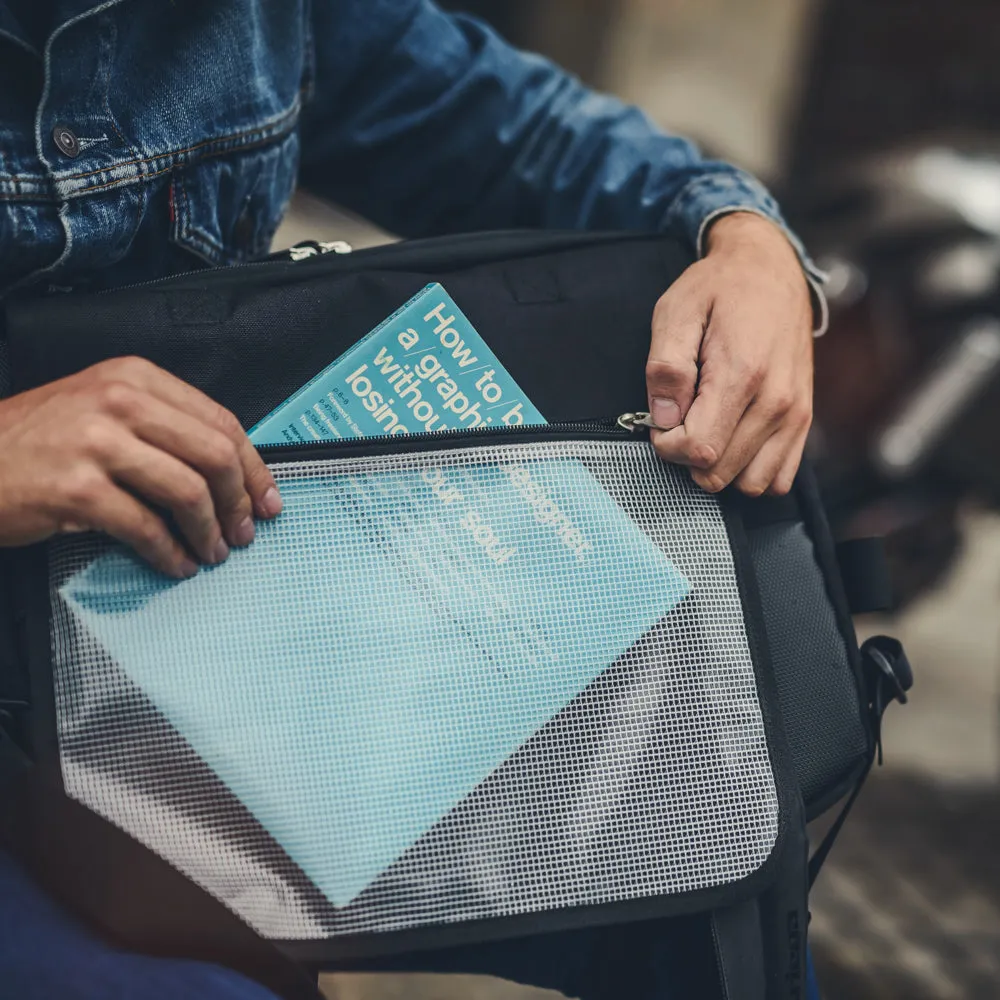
744 234
737 231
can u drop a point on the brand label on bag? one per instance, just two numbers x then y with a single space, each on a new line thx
423 369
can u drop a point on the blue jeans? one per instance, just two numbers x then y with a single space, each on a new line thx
45 953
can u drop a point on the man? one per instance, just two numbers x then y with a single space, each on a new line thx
140 139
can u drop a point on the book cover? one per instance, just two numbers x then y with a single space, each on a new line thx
423 369
385 644
394 636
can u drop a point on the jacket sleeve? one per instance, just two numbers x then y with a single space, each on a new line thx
427 122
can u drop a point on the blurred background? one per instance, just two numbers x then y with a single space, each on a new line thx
878 124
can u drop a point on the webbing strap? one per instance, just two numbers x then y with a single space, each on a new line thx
819 856
13 691
784 914
865 572
888 676
739 951
4 360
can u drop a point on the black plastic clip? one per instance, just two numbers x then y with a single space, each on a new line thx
889 676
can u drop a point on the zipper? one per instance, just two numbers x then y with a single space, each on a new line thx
505 243
621 428
310 248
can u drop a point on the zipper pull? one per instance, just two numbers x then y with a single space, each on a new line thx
312 248
335 246
632 421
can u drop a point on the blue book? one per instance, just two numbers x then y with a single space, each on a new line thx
423 369
384 645
394 636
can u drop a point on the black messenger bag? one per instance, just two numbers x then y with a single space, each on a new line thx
194 815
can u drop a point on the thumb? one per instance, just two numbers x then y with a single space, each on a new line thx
672 367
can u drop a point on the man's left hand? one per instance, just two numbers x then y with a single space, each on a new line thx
730 370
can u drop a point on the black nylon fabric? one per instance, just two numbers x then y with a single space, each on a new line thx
251 345
818 698
567 314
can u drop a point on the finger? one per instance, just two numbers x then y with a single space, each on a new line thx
257 478
774 466
672 366
208 451
754 431
758 475
708 429
785 478
167 482
727 385
98 504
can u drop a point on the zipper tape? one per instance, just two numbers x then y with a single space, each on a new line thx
622 428
431 254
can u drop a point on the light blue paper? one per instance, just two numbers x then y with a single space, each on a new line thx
375 654
423 369
392 638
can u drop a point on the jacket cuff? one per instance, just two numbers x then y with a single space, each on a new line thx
709 197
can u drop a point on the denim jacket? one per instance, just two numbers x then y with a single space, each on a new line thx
149 137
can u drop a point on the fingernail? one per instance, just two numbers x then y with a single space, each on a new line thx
221 551
187 569
665 413
245 531
271 503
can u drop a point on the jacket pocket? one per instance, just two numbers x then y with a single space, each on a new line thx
227 209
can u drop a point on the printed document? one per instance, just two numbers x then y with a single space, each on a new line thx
404 626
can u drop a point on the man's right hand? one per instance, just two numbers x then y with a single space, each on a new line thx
97 450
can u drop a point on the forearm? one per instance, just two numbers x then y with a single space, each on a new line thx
444 127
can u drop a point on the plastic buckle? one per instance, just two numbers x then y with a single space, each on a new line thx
889 677
895 671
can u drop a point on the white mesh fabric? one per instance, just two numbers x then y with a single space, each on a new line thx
653 780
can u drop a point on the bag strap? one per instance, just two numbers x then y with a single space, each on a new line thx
864 570
739 951
14 762
784 914
889 676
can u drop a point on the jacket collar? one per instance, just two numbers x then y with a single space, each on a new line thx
65 11
11 30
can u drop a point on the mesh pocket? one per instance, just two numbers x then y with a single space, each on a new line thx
442 686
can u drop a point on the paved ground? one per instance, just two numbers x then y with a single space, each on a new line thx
910 906
369 987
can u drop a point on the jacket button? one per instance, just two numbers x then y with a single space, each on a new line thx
66 141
